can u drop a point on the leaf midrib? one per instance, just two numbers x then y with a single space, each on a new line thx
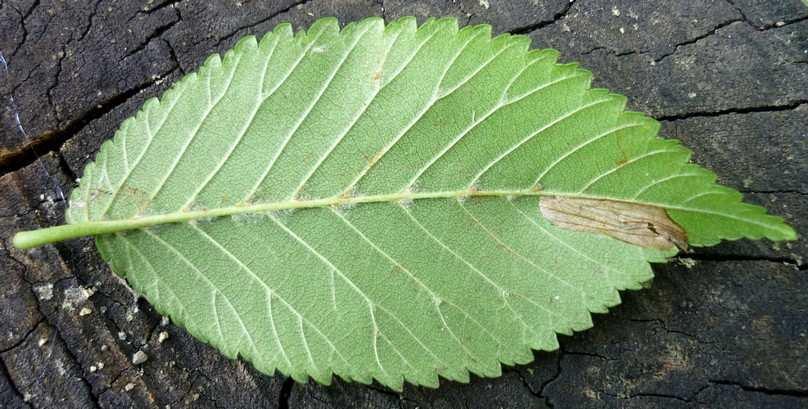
94 228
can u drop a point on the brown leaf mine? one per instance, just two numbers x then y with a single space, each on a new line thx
642 225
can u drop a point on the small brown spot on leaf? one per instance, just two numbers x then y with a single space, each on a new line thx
623 155
374 158
642 225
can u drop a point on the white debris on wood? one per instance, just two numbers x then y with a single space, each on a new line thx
139 357
131 312
74 296
44 292
687 262
60 367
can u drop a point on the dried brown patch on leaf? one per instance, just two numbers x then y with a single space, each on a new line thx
642 225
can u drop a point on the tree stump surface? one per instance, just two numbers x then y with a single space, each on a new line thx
722 327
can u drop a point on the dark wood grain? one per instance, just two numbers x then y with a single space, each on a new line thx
725 327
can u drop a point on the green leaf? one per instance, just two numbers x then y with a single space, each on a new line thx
365 202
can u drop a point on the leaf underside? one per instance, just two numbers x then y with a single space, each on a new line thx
376 195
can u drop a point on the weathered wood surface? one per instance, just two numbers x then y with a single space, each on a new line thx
722 327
